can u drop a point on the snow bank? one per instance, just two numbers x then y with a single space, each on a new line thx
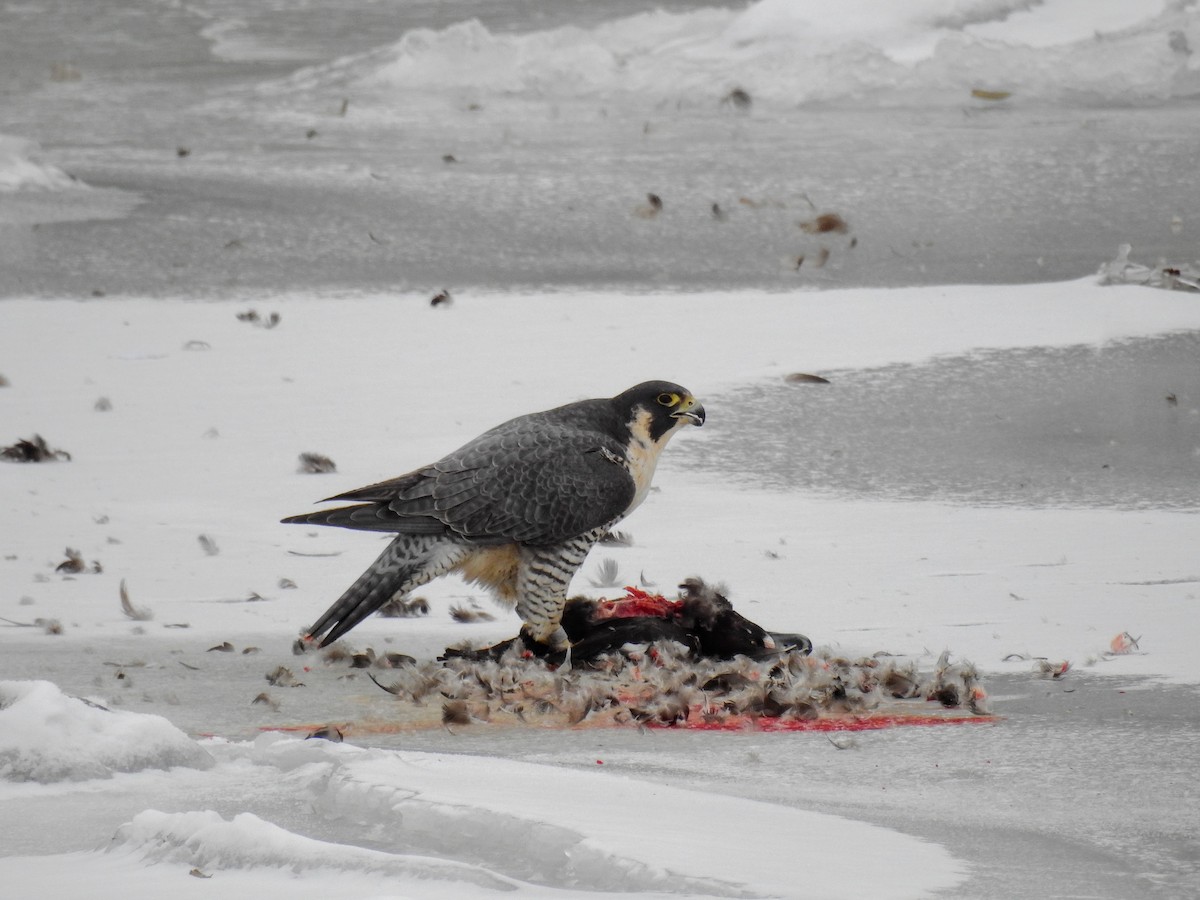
311 818
20 170
805 51
205 840
499 816
48 736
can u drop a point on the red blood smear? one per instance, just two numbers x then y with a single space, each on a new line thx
865 723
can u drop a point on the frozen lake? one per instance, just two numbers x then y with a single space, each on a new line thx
505 155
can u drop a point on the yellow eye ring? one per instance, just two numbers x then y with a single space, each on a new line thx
668 399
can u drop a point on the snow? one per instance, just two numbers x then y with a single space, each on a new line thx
20 169
33 191
47 736
451 822
791 52
203 439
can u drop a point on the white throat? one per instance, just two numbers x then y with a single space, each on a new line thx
642 455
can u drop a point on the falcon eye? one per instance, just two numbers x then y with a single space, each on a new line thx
668 399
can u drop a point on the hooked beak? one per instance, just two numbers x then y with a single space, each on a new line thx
690 410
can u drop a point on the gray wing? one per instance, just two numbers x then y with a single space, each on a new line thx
536 482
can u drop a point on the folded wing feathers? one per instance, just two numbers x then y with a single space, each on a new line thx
512 483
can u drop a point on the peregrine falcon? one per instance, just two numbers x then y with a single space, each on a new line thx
515 510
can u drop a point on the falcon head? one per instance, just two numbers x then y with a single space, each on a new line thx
661 408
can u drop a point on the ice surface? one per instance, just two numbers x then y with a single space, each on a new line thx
209 412
507 144
1116 426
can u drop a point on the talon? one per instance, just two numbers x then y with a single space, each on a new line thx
554 648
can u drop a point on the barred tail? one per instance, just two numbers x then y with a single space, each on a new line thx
409 561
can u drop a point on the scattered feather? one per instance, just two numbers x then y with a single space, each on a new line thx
825 223
395 661
608 574
137 613
804 378
1051 668
738 99
281 676
316 464
1121 270
33 450
661 683
251 316
327 733
455 712
74 564
208 545
1123 643
651 208
441 298
617 539
472 613
395 688
401 607
223 647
